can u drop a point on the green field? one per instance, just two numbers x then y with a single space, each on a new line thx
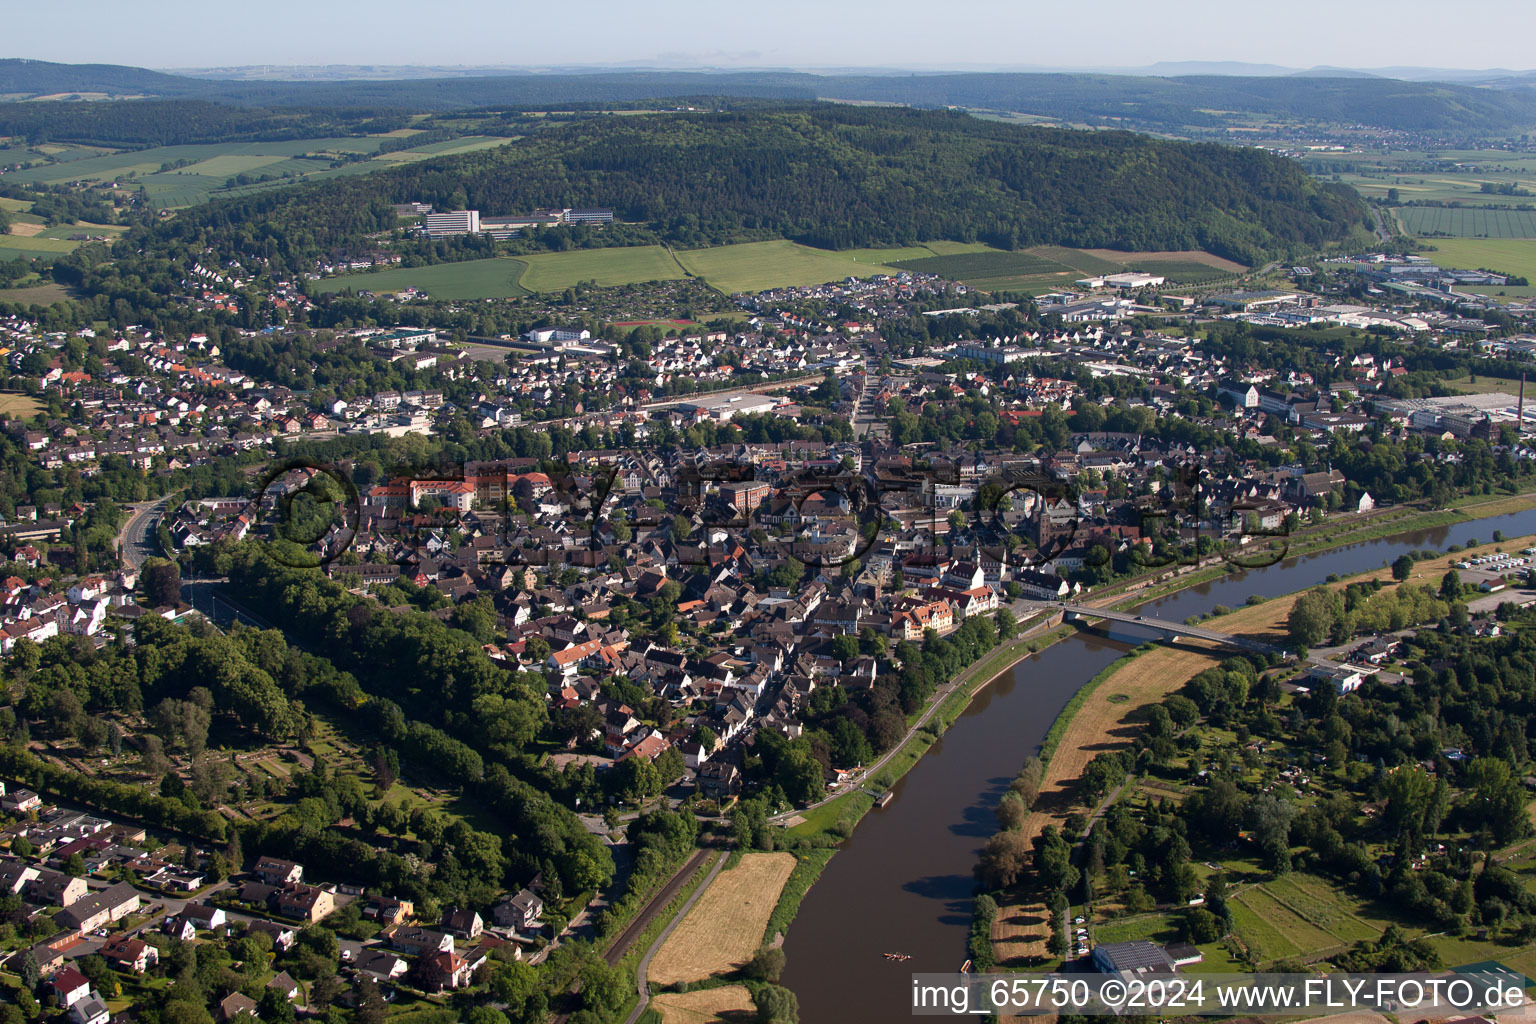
473 279
991 263
1509 255
1076 259
1184 271
1047 267
466 144
1483 385
555 271
996 270
754 266
13 246
36 294
1467 222
211 166
1300 915
885 256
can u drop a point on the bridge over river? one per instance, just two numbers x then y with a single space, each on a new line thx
1170 630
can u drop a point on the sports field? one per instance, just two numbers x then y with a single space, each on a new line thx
472 279
726 926
1506 255
1467 222
554 271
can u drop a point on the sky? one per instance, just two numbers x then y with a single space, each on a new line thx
805 34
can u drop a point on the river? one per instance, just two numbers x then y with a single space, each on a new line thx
902 882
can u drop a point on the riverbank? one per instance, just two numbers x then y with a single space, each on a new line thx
839 815
1312 540
1106 715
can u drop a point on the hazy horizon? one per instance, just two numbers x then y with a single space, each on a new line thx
893 35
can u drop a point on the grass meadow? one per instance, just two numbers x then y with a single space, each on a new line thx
1506 255
756 266
472 279
556 271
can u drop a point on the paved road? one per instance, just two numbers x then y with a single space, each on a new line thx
211 597
645 961
139 540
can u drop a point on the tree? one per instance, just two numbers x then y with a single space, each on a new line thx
1497 800
1003 859
1056 941
1312 617
1408 789
1011 811
371 1008
74 865
28 970
767 964
1027 782
1007 624
1200 926
1450 586
162 582
845 648
153 758
776 1005
1402 568
1053 860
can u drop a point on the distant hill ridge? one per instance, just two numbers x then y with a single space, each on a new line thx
841 177
1145 101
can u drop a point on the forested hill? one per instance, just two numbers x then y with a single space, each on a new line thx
838 177
1192 102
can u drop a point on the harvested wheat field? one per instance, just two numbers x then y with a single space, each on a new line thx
726 926
1107 720
731 1003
